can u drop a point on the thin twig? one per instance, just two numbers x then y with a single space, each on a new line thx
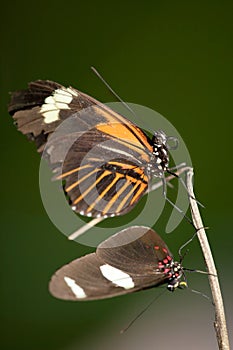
220 320
85 228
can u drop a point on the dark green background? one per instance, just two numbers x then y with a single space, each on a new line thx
172 56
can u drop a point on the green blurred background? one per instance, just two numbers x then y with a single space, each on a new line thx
174 57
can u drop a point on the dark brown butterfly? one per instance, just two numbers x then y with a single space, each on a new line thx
105 160
119 266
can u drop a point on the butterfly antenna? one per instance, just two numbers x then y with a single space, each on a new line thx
184 245
113 92
142 312
187 242
201 294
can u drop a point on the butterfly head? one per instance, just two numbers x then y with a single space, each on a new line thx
160 138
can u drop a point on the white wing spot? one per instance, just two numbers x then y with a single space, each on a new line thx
118 277
50 116
72 91
62 92
60 99
77 290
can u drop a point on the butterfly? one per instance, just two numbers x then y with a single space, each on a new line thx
119 266
106 162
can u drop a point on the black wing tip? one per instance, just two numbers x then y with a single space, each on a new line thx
31 97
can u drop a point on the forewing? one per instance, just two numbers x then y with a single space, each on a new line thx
100 154
46 104
89 278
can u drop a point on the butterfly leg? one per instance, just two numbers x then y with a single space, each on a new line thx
184 185
174 206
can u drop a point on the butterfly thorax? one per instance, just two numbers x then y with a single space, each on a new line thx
174 273
159 158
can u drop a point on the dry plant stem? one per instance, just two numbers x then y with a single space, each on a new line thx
220 320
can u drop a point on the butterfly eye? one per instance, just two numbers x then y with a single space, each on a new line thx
172 143
160 138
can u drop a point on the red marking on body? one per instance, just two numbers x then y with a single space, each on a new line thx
165 261
169 258
165 250
156 247
166 270
160 265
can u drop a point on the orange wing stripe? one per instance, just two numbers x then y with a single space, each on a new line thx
73 171
81 180
112 117
92 186
124 137
114 198
123 165
139 192
118 176
121 205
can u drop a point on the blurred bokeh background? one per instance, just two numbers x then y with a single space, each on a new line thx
174 57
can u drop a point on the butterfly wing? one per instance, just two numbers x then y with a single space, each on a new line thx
140 255
101 155
84 279
113 270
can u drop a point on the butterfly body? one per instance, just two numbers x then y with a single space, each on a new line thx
105 160
119 266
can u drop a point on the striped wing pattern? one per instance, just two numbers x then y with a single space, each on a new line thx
101 155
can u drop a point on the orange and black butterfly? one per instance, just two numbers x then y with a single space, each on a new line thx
105 160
